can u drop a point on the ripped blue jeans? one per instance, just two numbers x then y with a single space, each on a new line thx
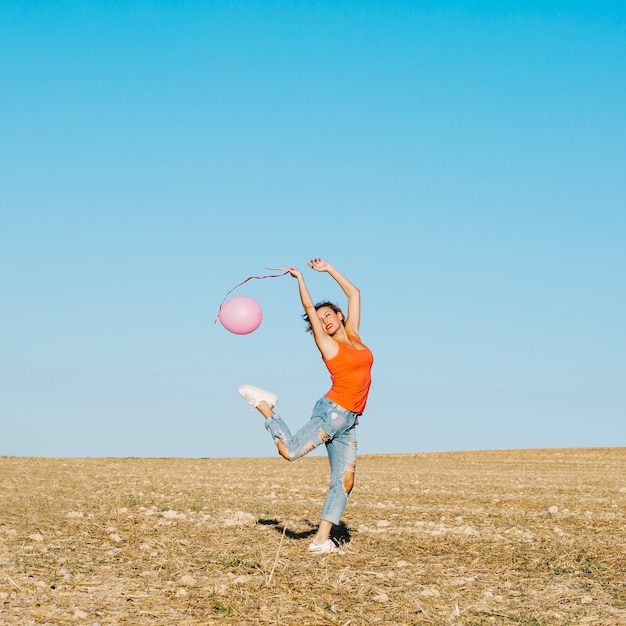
333 426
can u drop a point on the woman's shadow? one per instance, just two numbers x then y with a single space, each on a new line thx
340 532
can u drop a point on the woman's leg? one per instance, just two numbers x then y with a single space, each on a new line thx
311 435
326 421
329 424
342 453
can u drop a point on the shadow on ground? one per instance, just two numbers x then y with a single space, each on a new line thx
340 532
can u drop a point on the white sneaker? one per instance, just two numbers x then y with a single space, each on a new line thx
325 548
253 395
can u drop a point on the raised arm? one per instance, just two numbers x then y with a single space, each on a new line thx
353 318
326 345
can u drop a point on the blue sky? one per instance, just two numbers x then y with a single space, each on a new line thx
463 163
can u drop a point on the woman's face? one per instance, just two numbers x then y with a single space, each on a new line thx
331 321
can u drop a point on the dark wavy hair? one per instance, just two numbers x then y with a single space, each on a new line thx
318 306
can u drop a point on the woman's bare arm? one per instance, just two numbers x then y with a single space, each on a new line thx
353 318
325 344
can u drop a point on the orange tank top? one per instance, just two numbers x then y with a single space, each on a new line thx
350 374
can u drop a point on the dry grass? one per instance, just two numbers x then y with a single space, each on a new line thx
532 537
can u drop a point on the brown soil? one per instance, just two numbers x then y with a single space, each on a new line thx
530 537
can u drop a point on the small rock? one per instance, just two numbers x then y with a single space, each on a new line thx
78 614
240 518
430 592
188 581
242 580
36 537
553 510
381 597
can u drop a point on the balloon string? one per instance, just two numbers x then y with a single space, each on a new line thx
243 282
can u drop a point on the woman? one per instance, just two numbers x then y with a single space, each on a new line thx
336 414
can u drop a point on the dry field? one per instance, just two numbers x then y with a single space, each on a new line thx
532 537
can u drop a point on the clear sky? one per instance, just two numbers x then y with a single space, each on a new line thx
462 162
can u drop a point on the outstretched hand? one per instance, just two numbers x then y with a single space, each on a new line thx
319 265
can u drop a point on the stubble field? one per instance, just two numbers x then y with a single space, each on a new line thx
529 537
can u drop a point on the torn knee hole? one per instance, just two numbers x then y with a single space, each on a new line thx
324 436
282 450
348 478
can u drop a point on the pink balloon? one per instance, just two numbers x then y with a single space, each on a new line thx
241 315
